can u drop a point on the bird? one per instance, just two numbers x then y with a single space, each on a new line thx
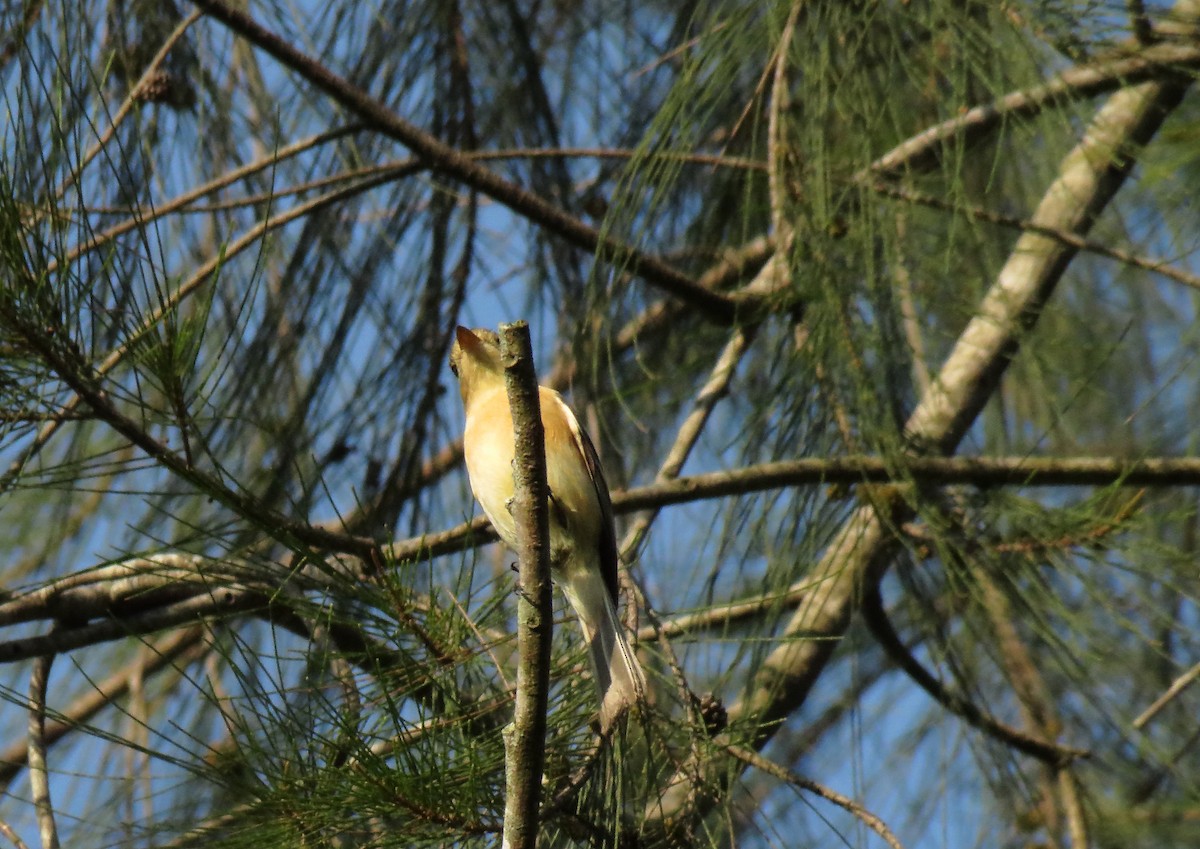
583 545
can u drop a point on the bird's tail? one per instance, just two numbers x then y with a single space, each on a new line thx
619 677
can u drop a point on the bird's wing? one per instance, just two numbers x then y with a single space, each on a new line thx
608 541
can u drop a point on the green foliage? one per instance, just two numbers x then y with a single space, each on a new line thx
256 284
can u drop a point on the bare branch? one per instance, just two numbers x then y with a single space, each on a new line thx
130 585
983 472
1177 687
39 779
685 439
13 838
225 600
729 613
525 738
689 432
976 471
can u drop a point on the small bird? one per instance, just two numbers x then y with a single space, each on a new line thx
583 545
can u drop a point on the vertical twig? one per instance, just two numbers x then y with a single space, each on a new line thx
910 320
1143 28
777 150
138 714
1037 706
525 738
39 782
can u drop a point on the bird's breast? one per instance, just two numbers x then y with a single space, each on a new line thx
488 451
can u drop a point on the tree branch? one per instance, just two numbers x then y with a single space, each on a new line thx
975 471
983 472
167 590
525 738
221 601
39 779
1152 264
1089 177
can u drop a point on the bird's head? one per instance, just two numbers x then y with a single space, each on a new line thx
475 359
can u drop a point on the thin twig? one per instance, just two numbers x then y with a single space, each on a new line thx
1177 687
714 389
752 758
39 779
728 613
689 432
8 832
